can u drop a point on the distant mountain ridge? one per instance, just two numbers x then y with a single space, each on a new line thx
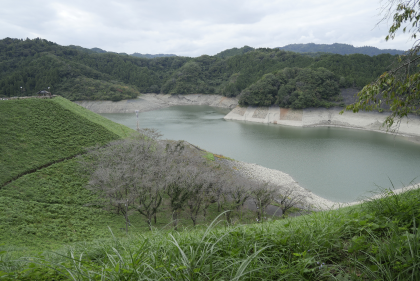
234 51
149 56
337 48
138 55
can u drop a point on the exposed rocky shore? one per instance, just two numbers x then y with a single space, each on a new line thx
277 177
316 117
312 117
148 102
311 201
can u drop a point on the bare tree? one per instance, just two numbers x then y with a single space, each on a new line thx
180 162
109 178
148 189
126 175
213 191
195 201
288 198
204 183
235 192
263 194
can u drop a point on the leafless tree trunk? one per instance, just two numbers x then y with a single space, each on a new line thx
177 166
288 198
125 177
263 195
235 192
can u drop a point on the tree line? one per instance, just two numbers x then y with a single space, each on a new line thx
27 66
136 175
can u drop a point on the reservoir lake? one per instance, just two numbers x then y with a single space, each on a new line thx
338 164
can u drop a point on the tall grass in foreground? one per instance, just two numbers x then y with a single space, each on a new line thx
378 240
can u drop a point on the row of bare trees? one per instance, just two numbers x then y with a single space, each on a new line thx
136 174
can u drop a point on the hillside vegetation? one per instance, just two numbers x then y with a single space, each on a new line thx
379 240
99 50
38 132
293 87
337 48
54 228
44 202
78 73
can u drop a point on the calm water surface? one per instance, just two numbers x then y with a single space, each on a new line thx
335 163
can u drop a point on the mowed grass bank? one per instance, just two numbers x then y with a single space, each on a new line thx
38 132
378 240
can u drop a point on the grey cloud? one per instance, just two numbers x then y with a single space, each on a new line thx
192 27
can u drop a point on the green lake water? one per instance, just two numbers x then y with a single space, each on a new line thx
335 163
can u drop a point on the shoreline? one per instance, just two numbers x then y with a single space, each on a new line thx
149 102
322 117
312 117
311 200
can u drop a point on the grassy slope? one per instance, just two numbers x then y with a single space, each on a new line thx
116 128
375 241
38 132
52 205
45 210
47 205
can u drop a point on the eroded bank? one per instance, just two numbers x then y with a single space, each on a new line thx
315 117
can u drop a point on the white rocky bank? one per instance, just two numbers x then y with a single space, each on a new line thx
148 102
311 201
312 117
315 117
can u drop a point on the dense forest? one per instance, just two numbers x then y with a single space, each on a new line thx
138 55
341 49
294 87
76 73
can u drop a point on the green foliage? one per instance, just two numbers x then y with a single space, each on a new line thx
74 72
209 156
234 52
336 48
77 73
399 87
38 132
83 88
347 67
115 128
293 87
357 243
51 207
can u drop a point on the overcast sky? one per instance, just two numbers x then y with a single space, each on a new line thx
194 27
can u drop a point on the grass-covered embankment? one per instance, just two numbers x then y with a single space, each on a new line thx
39 132
45 204
51 207
49 230
378 240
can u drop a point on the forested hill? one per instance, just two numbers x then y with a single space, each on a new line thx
341 49
90 75
138 55
149 56
234 52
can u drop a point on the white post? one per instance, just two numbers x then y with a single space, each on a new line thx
137 114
